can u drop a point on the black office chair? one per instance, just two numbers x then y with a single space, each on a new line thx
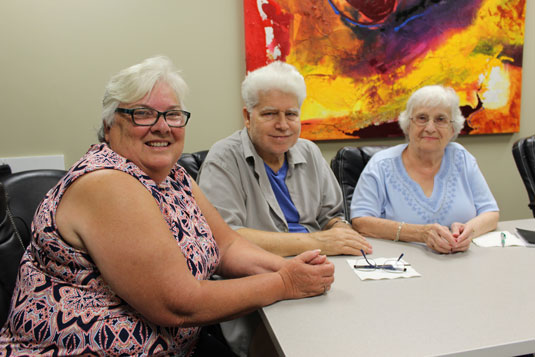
20 194
5 170
192 162
524 155
25 190
11 250
347 166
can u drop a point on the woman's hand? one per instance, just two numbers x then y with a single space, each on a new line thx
463 234
439 238
308 274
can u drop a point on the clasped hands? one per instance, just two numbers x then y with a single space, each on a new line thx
457 238
307 274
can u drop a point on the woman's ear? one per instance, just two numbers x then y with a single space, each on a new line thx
106 129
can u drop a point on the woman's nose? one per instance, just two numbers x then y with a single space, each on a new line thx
432 123
160 125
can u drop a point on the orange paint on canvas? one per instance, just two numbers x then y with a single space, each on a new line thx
362 60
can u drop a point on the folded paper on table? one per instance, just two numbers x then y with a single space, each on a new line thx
494 239
378 274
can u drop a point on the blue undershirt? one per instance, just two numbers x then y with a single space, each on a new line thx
280 190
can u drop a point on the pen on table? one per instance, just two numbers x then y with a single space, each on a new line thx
503 239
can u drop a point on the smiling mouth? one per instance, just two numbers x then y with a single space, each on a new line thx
158 144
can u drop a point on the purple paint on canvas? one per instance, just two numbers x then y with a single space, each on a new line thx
415 27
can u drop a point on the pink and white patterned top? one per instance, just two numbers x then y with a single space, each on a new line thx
62 305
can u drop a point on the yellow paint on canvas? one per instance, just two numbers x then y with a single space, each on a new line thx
469 60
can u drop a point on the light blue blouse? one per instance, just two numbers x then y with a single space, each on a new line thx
385 190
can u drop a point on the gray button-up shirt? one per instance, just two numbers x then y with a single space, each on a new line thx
234 179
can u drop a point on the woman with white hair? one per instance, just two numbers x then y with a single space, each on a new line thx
125 244
430 189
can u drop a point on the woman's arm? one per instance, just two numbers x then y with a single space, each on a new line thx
464 233
484 202
435 236
112 216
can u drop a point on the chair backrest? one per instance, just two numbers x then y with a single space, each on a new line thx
25 190
11 250
20 194
347 166
192 162
5 170
524 155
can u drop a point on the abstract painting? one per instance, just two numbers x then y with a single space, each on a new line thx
362 59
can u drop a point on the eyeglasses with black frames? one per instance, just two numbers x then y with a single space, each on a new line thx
391 266
175 118
440 121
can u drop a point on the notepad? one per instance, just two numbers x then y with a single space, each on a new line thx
494 239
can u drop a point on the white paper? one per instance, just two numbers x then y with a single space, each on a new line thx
378 274
494 239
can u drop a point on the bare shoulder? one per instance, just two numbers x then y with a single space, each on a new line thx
105 179
105 190
95 199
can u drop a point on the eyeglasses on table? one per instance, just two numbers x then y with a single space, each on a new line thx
390 266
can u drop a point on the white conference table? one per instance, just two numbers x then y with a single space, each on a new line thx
477 303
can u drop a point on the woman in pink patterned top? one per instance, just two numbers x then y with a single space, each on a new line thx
123 246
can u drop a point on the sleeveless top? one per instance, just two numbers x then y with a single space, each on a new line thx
61 304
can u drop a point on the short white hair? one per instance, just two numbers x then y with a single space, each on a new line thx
274 76
433 96
135 82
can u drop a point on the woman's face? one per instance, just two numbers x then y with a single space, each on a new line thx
155 149
432 136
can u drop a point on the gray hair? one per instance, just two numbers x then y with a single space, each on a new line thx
433 96
135 82
274 76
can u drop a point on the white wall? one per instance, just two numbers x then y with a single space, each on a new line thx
57 56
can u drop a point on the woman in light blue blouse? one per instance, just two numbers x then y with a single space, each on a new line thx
430 189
